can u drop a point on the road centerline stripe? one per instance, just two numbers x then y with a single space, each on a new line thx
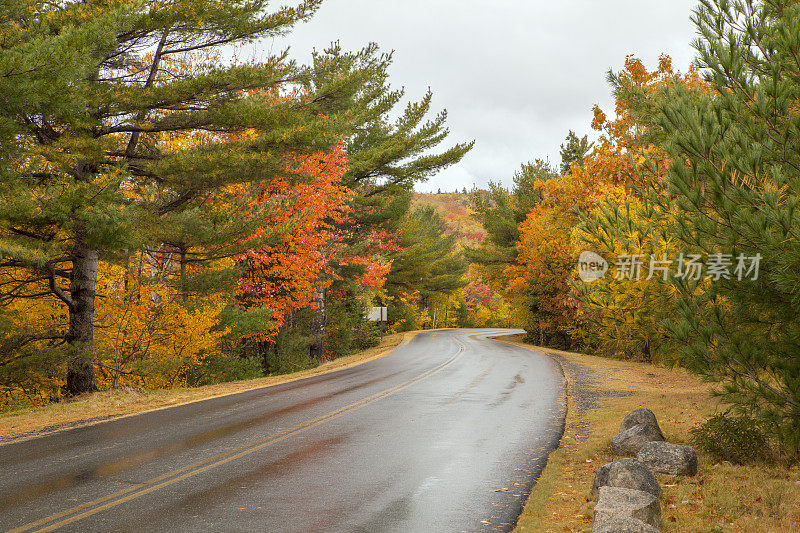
90 508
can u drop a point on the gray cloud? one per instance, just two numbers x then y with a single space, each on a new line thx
514 75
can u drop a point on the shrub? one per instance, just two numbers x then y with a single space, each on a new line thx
219 368
738 440
348 330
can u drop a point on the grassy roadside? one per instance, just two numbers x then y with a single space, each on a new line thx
105 405
722 497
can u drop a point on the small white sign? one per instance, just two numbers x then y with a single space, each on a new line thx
376 314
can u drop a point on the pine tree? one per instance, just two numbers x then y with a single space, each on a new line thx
500 211
430 263
573 151
735 180
93 95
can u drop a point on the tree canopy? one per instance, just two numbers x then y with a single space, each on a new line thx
128 141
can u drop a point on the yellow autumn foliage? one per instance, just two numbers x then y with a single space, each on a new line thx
146 336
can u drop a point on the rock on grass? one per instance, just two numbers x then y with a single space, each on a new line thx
668 458
630 441
624 525
639 416
627 474
615 503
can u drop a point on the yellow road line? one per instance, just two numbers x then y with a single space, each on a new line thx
164 480
325 368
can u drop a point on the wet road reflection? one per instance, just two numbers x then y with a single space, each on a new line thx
416 441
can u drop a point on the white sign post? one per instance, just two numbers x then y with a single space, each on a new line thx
377 314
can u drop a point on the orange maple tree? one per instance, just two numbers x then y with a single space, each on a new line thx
285 276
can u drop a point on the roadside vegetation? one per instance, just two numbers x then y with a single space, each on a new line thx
174 216
94 407
690 198
171 217
743 492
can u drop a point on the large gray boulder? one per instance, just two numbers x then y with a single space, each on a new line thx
623 525
639 416
668 458
627 474
629 442
616 503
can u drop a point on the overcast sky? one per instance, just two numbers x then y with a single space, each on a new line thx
514 75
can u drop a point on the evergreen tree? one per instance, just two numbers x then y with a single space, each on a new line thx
501 211
430 262
573 151
497 212
93 95
735 178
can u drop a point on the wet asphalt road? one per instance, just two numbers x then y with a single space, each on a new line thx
426 439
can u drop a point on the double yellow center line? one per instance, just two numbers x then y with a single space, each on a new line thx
90 508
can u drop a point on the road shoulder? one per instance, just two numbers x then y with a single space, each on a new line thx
722 497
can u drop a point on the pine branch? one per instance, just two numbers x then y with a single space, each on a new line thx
58 291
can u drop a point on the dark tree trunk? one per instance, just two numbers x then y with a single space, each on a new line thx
648 356
265 349
82 287
80 369
317 350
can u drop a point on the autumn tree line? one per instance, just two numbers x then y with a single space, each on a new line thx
173 215
691 195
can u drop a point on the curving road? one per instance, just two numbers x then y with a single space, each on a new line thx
447 433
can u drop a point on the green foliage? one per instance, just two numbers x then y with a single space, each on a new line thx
627 316
348 330
500 216
290 350
216 367
424 274
430 263
735 182
119 126
30 372
573 151
122 132
526 192
387 157
389 151
34 377
738 440
501 211
243 323
405 315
